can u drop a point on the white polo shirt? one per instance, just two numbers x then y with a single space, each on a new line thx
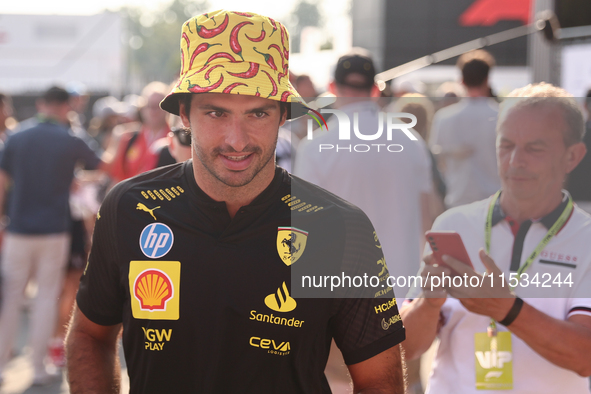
387 186
568 253
471 122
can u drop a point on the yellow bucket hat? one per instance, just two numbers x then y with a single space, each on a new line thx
236 53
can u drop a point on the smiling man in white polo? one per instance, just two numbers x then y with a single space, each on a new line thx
491 338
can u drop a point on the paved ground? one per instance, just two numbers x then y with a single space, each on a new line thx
19 373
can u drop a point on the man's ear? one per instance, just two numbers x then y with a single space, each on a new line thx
283 118
183 114
575 153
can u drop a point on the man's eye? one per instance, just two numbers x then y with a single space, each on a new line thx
259 114
216 114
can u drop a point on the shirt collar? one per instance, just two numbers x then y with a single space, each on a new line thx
281 178
548 220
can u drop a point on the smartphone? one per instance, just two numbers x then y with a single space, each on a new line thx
448 243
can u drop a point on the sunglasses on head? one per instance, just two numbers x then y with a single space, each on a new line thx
183 134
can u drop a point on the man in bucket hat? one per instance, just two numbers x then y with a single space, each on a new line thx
195 260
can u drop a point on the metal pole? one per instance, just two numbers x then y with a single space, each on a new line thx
457 50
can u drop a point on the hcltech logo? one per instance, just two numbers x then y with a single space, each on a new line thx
156 240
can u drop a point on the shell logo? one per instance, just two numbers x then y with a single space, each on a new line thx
153 289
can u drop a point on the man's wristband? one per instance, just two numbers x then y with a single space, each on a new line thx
513 312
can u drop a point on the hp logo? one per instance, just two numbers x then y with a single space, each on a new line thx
156 240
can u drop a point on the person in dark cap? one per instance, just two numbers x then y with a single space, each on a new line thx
463 135
354 75
392 188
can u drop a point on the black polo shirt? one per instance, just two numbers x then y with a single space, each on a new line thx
206 300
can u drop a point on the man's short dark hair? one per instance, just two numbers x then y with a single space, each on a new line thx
56 95
475 66
187 98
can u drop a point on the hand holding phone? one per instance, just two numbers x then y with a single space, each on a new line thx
448 243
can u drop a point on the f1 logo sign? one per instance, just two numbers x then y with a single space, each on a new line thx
489 12
156 240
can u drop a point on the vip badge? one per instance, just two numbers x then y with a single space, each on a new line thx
493 361
291 243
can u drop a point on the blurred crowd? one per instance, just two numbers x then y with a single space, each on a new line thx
57 167
453 163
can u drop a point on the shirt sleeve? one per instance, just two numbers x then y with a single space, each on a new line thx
580 304
101 296
368 325
86 155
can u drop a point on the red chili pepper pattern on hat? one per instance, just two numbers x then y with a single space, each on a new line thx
240 55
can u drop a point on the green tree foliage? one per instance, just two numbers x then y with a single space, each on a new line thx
154 37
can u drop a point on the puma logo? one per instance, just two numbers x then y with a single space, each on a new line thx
144 208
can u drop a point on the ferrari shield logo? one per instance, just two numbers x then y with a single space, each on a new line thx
291 243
